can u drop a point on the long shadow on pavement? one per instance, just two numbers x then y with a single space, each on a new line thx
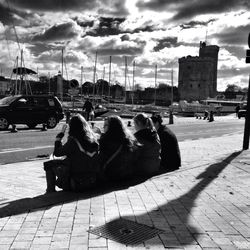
182 232
42 202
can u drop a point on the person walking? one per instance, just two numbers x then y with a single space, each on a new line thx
89 109
170 151
149 154
79 170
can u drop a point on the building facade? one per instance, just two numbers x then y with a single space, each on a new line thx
198 75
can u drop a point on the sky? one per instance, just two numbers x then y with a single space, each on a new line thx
151 35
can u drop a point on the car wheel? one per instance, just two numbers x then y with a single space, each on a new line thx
4 124
51 122
31 125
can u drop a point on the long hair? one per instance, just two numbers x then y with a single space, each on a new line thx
80 129
143 120
117 131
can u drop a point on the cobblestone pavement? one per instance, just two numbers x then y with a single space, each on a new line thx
204 205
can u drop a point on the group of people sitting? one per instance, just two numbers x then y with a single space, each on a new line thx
117 154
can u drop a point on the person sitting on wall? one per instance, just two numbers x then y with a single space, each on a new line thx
79 170
149 153
170 152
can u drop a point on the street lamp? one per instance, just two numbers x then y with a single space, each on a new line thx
247 120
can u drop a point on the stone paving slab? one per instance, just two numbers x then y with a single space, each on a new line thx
204 205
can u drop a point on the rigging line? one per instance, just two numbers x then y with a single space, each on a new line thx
65 67
7 41
17 39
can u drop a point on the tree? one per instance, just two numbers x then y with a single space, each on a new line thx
232 88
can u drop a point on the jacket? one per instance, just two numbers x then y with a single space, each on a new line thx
170 152
149 152
122 166
80 163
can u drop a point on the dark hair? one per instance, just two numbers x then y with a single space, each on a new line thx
157 118
80 129
117 131
144 120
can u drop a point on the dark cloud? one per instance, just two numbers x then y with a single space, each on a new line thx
10 16
84 23
166 43
113 8
184 9
107 26
112 26
233 35
125 37
55 5
59 32
114 47
194 24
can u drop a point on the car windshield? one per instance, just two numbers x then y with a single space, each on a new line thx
7 100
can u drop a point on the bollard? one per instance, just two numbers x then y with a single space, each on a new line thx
14 129
44 128
67 113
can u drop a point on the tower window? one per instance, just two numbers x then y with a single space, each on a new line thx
199 85
191 86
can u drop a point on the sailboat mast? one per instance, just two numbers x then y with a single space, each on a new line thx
172 86
125 75
94 74
133 84
109 78
155 83
103 76
61 92
81 80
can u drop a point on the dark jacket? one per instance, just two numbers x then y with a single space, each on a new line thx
80 163
170 152
149 153
88 107
122 165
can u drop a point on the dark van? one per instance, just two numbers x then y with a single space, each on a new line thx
30 110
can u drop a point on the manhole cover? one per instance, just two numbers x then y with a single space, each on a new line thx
125 231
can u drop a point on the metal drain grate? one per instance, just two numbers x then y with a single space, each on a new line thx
125 231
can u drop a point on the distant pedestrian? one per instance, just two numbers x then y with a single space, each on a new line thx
89 109
237 108
170 152
149 154
211 116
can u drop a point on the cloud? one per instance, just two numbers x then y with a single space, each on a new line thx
58 32
193 24
233 35
184 9
107 26
102 7
55 5
10 16
165 43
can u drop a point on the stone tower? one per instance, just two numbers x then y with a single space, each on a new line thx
198 75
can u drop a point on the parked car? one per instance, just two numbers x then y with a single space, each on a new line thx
242 112
30 110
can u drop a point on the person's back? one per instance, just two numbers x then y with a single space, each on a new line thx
117 148
170 152
149 152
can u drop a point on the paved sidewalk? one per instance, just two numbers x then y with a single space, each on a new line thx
204 205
